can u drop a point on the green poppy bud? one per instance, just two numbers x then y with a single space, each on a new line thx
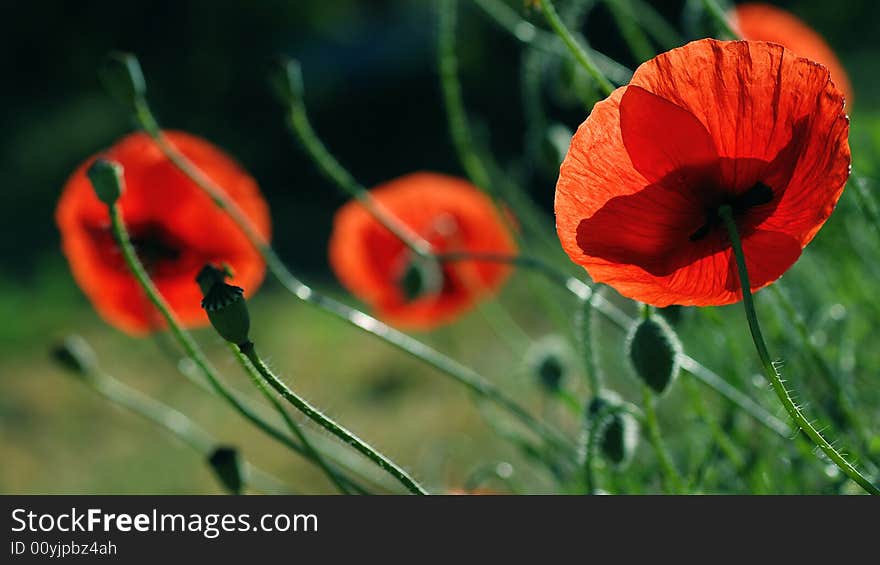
225 304
617 429
107 181
122 76
421 277
550 360
653 351
618 438
288 80
226 464
75 354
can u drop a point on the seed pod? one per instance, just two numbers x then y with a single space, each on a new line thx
107 181
225 304
618 438
226 464
549 361
653 350
75 354
616 428
421 277
122 76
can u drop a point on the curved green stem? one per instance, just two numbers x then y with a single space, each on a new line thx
190 347
770 369
671 477
249 354
291 423
579 53
524 31
299 123
452 98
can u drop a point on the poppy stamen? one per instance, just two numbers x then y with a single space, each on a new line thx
758 195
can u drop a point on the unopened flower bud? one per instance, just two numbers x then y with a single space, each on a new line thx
122 76
75 354
226 464
225 305
421 277
550 360
653 350
107 181
619 437
617 429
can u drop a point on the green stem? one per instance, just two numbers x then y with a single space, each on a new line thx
249 353
299 123
291 423
720 17
524 31
591 363
452 98
579 53
672 479
770 369
190 347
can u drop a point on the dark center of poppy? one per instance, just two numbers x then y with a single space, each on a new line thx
154 246
759 194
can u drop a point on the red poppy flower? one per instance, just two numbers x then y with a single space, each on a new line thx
451 215
763 22
743 123
175 228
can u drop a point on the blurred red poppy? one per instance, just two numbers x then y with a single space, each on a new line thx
763 22
451 215
175 227
743 123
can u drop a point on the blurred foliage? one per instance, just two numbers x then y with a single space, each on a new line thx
373 95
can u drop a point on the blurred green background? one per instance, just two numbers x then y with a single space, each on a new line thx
374 97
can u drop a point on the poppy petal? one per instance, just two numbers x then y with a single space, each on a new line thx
663 139
763 22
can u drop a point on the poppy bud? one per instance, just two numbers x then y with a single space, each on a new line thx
421 277
653 350
106 179
618 430
75 354
619 437
225 304
226 464
289 81
122 76
549 360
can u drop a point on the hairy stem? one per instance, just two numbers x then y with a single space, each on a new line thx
249 354
770 371
671 478
291 423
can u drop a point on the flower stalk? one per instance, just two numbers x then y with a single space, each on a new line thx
770 371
